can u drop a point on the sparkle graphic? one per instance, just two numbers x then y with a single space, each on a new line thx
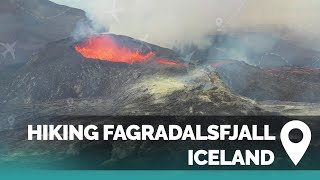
9 48
188 58
115 11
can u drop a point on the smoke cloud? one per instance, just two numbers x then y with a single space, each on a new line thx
168 22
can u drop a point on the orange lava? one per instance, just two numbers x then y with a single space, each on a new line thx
163 61
105 48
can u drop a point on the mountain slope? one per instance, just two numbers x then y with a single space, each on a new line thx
59 73
32 24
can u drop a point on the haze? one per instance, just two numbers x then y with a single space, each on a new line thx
167 22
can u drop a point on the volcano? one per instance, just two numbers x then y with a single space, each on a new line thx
63 71
60 81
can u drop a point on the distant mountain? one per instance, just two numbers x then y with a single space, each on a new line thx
296 84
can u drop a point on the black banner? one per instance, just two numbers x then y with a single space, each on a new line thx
260 136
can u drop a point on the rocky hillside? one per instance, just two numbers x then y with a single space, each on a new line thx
297 84
32 24
59 74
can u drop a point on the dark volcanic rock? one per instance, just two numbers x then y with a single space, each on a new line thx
32 24
290 84
59 72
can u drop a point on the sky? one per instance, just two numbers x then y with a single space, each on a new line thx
168 21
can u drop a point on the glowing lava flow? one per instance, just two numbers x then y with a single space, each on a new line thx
104 48
163 61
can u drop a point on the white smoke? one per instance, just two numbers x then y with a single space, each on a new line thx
168 22
164 22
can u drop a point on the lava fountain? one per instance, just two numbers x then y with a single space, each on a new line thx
105 48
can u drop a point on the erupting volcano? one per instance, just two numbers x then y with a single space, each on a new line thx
105 48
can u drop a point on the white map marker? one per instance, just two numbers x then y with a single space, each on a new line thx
219 23
295 150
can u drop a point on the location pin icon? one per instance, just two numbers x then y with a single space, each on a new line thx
219 22
295 150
